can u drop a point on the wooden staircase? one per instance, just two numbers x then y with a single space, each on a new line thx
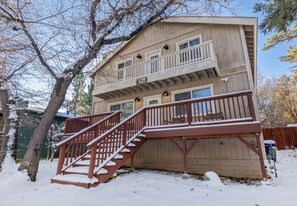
93 155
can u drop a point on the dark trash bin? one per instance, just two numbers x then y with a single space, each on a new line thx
270 149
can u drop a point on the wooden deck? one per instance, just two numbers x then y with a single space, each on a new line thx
205 131
98 151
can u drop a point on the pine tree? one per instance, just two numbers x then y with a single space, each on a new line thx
89 98
281 18
78 95
82 100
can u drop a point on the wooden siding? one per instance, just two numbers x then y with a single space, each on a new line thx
226 156
236 82
226 40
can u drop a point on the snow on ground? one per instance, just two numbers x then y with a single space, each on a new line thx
143 188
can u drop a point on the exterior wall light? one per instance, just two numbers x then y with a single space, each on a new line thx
139 56
166 47
165 93
137 99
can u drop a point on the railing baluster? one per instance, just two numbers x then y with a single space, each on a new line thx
251 106
124 133
189 113
230 112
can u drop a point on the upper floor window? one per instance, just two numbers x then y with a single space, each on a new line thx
188 54
189 43
124 64
121 66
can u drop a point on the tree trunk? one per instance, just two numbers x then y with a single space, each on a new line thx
32 156
10 120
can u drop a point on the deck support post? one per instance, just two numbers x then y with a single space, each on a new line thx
185 150
258 151
133 162
261 156
185 156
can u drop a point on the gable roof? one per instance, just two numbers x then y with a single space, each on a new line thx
249 22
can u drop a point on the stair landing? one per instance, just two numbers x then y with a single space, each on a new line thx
77 174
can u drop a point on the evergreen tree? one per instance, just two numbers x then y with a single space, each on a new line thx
89 98
281 18
81 100
79 94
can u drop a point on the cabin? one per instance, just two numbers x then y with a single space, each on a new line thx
179 96
29 117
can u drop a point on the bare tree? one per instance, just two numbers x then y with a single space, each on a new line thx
13 63
68 37
277 101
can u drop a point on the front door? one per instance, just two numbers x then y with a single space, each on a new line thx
153 118
152 100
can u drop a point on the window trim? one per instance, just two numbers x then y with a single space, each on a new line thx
157 51
124 60
187 40
152 96
191 89
121 102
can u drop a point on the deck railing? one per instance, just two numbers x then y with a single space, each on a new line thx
230 107
76 145
225 108
200 53
76 124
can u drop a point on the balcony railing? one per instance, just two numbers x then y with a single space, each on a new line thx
193 55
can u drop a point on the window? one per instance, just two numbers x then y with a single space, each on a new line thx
186 54
121 66
126 107
194 94
153 61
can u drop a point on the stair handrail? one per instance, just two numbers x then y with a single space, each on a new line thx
122 135
85 129
79 137
91 115
70 121
96 140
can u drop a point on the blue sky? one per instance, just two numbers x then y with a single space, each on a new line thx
269 63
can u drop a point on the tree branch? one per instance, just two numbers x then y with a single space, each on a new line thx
151 20
93 20
31 39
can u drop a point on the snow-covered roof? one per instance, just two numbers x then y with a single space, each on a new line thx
39 110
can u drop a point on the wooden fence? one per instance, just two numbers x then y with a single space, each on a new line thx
284 137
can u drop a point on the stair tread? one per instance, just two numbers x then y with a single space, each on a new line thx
110 163
125 150
76 178
102 171
136 140
131 145
80 169
83 162
118 156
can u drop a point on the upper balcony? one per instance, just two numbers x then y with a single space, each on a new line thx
192 63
